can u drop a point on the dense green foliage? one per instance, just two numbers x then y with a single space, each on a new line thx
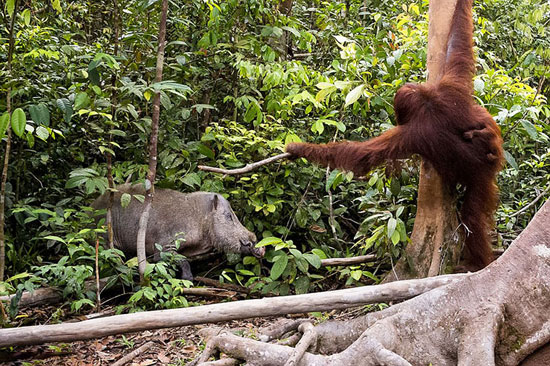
242 79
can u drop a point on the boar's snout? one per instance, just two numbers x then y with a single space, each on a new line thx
248 246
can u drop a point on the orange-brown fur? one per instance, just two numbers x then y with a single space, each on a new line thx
442 123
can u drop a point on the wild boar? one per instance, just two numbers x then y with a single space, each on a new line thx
201 222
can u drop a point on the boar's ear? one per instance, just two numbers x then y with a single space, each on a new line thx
214 202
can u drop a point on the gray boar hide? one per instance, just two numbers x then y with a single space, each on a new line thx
204 220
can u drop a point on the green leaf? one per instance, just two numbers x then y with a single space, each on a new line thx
75 181
42 133
313 259
268 241
26 16
82 100
323 85
336 177
40 114
354 94
66 107
30 140
246 272
356 275
4 121
192 179
302 264
301 217
18 276
301 285
206 151
530 129
510 159
279 266
395 186
55 238
250 112
18 122
318 252
479 85
125 200
392 224
395 237
292 30
318 127
10 7
56 4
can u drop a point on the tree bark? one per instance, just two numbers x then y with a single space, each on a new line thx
324 301
497 316
150 181
109 215
435 240
8 148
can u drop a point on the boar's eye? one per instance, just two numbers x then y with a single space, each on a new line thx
228 216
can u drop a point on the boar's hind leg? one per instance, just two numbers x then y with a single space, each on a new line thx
185 268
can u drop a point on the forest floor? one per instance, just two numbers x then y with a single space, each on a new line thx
171 346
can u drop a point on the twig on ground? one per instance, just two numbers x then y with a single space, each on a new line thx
247 168
130 356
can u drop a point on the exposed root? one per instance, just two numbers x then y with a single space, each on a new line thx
222 362
478 339
279 328
291 341
309 337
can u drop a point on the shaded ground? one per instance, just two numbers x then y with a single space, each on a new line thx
173 346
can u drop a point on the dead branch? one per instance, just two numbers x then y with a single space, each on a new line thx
208 291
525 208
247 168
226 286
126 323
130 356
349 261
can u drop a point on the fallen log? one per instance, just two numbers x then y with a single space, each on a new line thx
53 295
50 295
135 322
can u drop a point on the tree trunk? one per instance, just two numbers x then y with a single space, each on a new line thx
435 240
7 151
109 215
150 181
497 316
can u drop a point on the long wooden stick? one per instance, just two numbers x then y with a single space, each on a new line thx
126 323
348 261
247 168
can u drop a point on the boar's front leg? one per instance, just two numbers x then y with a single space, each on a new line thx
185 269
